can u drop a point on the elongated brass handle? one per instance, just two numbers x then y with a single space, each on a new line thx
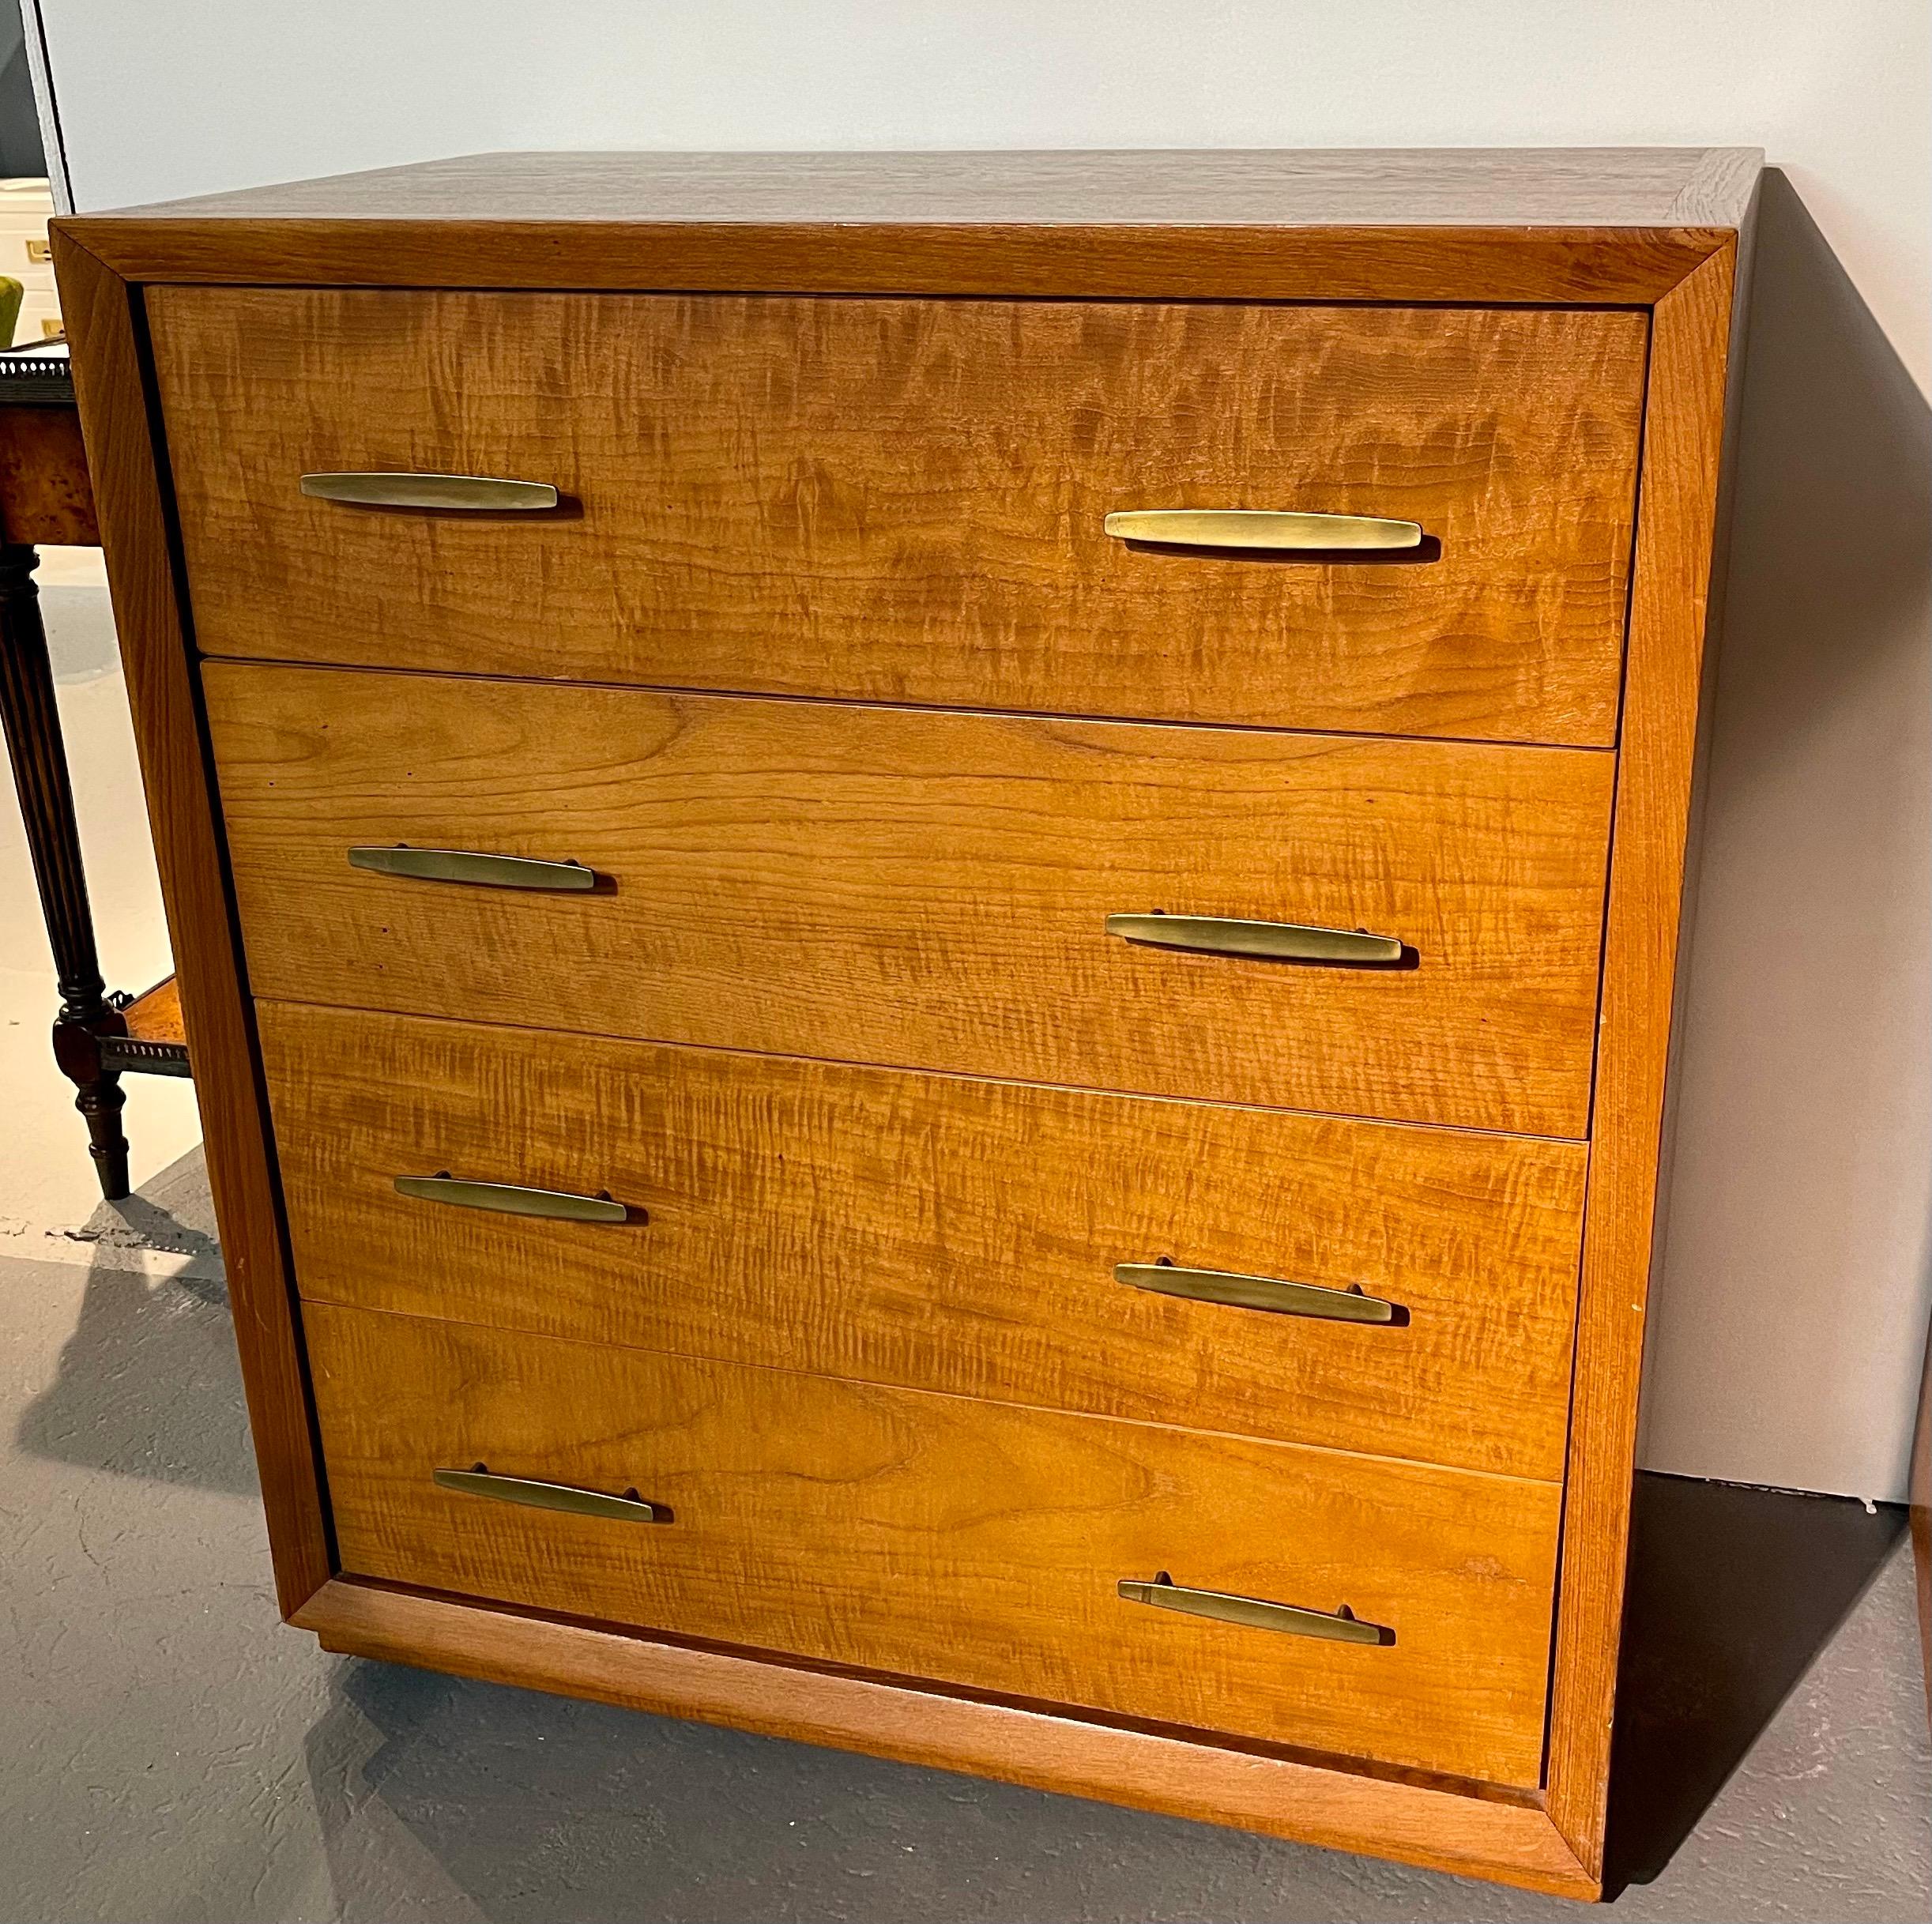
1262 529
1342 1626
477 494
536 1495
514 1199
1218 935
1285 1299
468 865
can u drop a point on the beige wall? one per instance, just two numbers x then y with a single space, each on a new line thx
1791 1309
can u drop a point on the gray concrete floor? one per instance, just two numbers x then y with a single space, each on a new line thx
168 1752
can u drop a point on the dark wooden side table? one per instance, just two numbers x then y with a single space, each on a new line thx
45 497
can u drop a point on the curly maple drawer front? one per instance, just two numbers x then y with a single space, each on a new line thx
929 889
942 1233
970 1543
896 499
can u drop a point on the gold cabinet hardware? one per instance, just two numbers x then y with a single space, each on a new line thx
1218 935
474 494
1285 1299
534 1494
514 1199
1342 1626
1262 529
468 865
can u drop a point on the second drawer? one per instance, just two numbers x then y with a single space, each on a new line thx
932 889
943 1233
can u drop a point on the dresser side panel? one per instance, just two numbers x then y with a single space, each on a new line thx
1676 532
126 464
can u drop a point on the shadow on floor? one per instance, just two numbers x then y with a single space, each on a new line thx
148 1383
441 1797
533 1807
1733 1591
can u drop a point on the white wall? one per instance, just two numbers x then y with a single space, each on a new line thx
1792 1310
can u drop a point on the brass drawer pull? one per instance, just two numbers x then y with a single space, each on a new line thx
514 1199
1262 529
1287 1299
535 1495
1341 1627
468 865
1216 934
475 493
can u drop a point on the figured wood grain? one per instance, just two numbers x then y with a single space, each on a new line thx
1445 1825
903 499
45 497
101 323
930 889
940 1233
1676 531
568 232
974 1543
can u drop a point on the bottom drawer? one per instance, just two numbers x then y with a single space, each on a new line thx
969 1543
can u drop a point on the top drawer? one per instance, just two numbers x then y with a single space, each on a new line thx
903 500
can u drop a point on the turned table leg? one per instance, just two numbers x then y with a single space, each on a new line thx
34 744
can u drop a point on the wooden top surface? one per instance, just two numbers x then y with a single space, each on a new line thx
1652 187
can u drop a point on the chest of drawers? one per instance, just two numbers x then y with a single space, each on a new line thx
929 909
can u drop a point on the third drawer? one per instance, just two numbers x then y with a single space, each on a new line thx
942 1233
930 889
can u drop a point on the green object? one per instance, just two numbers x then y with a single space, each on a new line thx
11 292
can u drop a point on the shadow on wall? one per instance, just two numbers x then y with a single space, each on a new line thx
1791 1310
20 122
82 641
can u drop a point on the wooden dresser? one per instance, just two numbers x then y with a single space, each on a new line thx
927 906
